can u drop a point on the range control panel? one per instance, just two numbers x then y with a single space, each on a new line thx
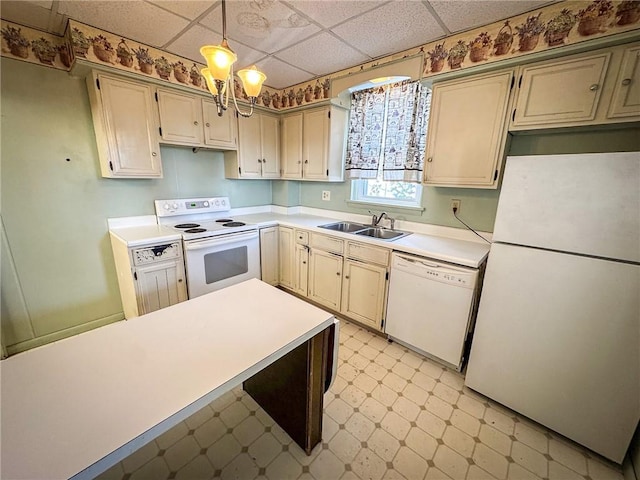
185 206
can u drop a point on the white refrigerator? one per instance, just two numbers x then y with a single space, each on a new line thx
557 336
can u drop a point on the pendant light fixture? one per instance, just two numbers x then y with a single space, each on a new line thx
219 73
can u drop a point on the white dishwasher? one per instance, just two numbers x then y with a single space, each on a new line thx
430 306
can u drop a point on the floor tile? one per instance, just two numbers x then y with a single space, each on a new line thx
390 414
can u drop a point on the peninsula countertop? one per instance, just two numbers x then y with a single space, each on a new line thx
100 395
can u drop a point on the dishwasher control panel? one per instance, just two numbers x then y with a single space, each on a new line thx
440 272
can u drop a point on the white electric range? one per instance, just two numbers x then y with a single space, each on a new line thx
218 251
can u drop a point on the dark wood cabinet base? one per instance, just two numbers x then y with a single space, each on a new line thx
291 389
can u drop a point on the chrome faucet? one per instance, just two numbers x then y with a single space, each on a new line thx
375 219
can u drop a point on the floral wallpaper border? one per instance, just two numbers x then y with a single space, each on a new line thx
554 26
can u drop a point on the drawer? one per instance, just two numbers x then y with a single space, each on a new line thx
156 253
329 244
302 237
368 253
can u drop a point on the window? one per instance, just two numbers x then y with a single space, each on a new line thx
386 144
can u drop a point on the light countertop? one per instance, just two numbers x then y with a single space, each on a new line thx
460 252
68 404
136 236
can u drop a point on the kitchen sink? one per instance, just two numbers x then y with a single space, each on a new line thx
365 230
382 233
347 227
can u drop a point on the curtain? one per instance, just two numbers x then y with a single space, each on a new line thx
406 132
390 124
366 126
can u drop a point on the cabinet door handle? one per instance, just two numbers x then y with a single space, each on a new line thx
259 161
154 154
306 161
208 124
304 263
299 161
264 160
346 277
179 280
430 159
594 87
338 273
626 81
195 123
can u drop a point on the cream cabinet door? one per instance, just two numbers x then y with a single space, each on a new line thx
625 101
561 92
250 146
270 157
315 144
286 256
269 255
363 292
160 285
180 117
291 157
467 131
325 278
126 124
301 270
220 132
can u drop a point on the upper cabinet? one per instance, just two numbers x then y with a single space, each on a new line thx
313 144
587 89
258 154
192 120
468 130
625 101
125 120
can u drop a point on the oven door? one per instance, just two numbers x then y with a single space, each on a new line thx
218 262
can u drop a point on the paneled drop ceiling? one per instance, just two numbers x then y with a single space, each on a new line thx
291 41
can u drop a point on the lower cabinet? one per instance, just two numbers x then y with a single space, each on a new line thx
269 255
160 285
363 292
325 278
347 277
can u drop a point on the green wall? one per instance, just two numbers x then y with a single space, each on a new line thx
58 275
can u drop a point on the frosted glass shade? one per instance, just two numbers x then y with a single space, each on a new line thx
211 84
219 59
252 80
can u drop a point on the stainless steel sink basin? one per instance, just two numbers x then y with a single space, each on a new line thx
382 233
365 230
347 227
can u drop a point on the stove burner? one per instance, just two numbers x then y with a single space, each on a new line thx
195 230
224 220
187 225
234 224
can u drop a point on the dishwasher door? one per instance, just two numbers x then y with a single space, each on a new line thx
430 306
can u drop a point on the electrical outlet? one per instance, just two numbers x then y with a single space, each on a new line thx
326 195
455 205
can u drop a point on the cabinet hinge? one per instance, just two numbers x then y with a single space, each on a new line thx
240 170
382 324
110 165
160 130
327 172
135 275
329 114
513 82
98 83
386 276
495 175
520 82
513 116
156 95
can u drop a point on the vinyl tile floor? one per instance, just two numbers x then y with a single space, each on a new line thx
390 414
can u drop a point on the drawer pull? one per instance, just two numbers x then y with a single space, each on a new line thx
626 81
195 123
208 124
594 87
430 159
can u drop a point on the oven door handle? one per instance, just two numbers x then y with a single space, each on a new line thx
220 240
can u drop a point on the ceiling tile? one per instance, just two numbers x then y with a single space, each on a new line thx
331 12
30 14
322 54
391 28
459 16
280 75
139 21
188 45
265 25
185 8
